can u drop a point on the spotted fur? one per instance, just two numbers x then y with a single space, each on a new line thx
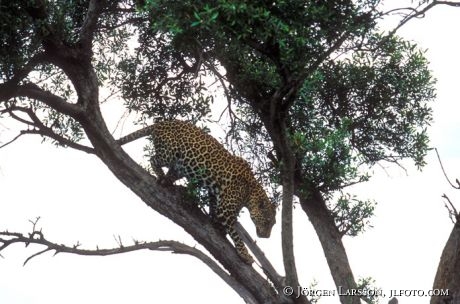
190 152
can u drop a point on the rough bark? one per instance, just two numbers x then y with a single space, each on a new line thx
331 241
287 234
275 123
314 206
448 273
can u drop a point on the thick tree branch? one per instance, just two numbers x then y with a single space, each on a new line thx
22 73
89 25
41 129
276 127
447 277
287 235
73 59
77 65
172 205
278 281
320 217
9 91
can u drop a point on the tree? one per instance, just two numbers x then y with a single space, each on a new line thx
449 265
313 87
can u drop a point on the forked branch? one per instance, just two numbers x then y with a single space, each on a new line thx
37 237
418 12
453 213
36 126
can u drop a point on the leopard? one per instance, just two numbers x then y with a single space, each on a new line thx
188 151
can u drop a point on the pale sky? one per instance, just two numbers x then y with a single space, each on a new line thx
78 199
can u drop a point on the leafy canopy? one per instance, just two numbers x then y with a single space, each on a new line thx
353 96
350 96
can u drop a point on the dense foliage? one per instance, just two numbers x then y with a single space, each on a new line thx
352 96
313 94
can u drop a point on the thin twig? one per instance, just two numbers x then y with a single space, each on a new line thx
453 213
444 171
121 122
13 140
35 255
34 223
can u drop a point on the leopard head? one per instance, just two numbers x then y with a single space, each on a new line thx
263 212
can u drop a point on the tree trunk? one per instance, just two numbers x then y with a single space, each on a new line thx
76 63
448 273
331 241
275 124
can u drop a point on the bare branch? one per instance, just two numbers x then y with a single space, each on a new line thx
12 140
35 255
34 224
65 142
118 240
453 213
444 171
395 160
399 11
449 3
20 119
121 122
37 237
10 90
416 13
221 78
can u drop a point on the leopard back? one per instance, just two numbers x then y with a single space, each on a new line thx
196 155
